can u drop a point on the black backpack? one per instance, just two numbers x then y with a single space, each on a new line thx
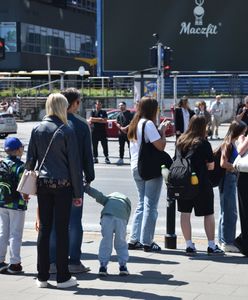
8 182
179 180
218 172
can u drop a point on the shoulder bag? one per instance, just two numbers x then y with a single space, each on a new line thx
151 159
241 163
28 181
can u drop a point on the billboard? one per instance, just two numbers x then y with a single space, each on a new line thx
205 35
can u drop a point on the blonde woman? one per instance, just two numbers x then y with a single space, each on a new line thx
59 184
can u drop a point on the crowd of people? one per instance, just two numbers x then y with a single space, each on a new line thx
10 107
63 149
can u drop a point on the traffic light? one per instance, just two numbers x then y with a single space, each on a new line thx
167 61
2 49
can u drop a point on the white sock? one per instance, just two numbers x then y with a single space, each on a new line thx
189 244
211 244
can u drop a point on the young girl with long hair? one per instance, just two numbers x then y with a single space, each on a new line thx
227 188
194 139
144 220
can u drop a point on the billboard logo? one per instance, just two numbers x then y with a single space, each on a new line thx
199 12
198 28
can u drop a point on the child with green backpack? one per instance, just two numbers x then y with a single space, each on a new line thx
12 206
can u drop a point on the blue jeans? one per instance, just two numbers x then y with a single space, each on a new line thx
75 237
228 209
145 217
113 228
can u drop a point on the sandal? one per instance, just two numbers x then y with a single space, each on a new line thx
152 248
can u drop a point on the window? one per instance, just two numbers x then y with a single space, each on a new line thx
41 40
8 33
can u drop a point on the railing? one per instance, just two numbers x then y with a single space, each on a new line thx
199 85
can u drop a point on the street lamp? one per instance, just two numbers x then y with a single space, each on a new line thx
48 55
160 74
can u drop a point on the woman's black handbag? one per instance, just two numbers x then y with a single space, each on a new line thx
151 159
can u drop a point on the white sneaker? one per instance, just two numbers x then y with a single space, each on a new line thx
41 284
69 283
229 248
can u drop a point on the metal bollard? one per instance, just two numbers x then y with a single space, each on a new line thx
170 239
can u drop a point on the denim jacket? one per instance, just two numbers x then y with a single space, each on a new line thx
62 160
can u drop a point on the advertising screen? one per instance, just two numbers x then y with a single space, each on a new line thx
205 35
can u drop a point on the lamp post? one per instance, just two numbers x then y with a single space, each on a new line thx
81 71
160 74
48 55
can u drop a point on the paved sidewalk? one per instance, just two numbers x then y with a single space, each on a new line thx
166 275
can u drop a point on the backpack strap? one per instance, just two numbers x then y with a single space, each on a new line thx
188 155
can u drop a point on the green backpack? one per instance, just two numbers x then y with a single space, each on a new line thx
8 182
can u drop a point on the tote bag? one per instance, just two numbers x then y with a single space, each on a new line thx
28 183
151 159
241 163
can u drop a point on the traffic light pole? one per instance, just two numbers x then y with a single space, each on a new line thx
165 54
160 78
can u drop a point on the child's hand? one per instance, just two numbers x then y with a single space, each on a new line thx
26 197
77 202
37 225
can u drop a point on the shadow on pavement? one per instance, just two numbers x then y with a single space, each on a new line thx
144 277
29 243
123 293
132 259
226 259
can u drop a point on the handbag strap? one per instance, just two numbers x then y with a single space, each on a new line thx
50 143
143 133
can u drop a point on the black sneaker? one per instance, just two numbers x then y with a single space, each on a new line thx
123 271
103 271
215 251
135 246
95 160
191 251
152 248
3 267
238 243
107 161
14 269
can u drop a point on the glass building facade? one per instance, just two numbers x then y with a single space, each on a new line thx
89 5
64 28
42 40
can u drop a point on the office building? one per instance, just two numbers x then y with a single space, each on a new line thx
32 28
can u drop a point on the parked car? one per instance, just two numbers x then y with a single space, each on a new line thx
7 124
112 129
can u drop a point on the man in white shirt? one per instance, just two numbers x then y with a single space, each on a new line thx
216 111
